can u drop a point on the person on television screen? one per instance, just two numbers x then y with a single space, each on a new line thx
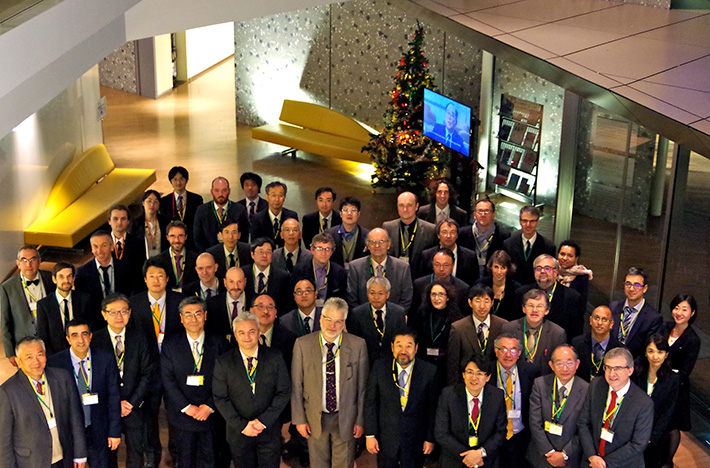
447 132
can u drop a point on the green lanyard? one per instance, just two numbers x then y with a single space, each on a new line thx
335 355
555 410
503 381
530 353
411 238
198 362
172 260
39 397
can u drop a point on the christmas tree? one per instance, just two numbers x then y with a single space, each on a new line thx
401 155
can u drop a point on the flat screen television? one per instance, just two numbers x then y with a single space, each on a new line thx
447 121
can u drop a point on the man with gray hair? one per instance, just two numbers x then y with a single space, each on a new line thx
253 425
607 440
566 307
378 321
329 373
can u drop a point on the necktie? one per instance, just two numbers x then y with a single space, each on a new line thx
379 322
252 209
441 216
448 140
208 292
509 389
626 324
250 364
528 248
84 385
107 280
40 390
474 410
331 403
66 312
178 267
598 352
220 213
607 422
289 261
402 382
380 270
231 260
180 205
262 339
532 338
196 350
307 325
261 285
156 319
481 334
235 310
35 282
276 227
119 249
561 395
120 349
325 224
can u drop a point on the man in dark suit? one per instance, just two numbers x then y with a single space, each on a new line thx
471 421
442 205
330 279
210 215
225 307
127 247
537 336
177 261
41 420
350 238
526 245
485 236
330 413
635 319
263 278
566 308
305 318
230 253
591 347
410 235
515 377
56 310
267 223
208 284
442 266
103 275
400 405
253 425
378 321
271 332
292 253
97 381
19 296
378 263
187 363
252 202
323 219
616 421
465 261
473 335
137 363
181 205
555 405
447 132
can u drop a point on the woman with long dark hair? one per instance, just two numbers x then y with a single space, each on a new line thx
500 268
150 226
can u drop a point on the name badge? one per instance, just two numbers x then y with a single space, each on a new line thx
89 399
404 259
320 303
229 337
33 306
552 428
253 387
432 352
514 414
195 380
51 423
161 337
472 441
607 435
178 289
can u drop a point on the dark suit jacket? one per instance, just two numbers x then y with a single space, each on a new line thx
526 375
277 287
206 225
282 340
261 225
87 280
425 238
428 213
16 319
566 309
278 259
542 442
235 400
243 256
49 320
219 320
24 434
420 286
684 354
138 230
337 283
195 289
311 225
189 274
451 429
396 271
463 345
134 255
142 315
139 363
665 400
466 264
514 246
360 244
548 339
168 208
509 307
648 322
468 240
260 205
176 363
583 345
397 430
632 426
106 415
361 323
293 322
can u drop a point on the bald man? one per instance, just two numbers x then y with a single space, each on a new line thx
410 235
208 285
224 307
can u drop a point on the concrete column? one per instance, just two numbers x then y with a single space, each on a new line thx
659 177
486 113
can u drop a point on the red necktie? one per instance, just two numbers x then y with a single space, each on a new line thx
607 422
474 410
39 388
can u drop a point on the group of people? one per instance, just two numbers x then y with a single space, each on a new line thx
425 339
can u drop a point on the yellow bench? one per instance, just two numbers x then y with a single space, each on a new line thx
316 129
81 196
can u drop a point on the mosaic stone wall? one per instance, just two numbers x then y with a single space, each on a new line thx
517 82
344 56
119 70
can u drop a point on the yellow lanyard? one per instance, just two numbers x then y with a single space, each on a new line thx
198 362
172 259
508 396
24 285
612 414
315 277
411 237
39 397
335 355
556 412
409 377
474 424
528 354
625 331
374 319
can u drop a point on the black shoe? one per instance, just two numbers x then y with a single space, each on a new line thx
304 460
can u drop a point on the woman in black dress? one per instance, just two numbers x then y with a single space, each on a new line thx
684 345
500 269
653 373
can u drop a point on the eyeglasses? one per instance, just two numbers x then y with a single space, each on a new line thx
546 269
270 308
323 249
484 212
537 308
376 242
629 284
263 252
470 373
614 369
192 315
597 318
25 261
291 230
564 364
303 292
113 313
442 265
529 221
376 293
438 294
349 211
511 351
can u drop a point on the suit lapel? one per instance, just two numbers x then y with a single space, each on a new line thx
344 361
472 335
572 399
